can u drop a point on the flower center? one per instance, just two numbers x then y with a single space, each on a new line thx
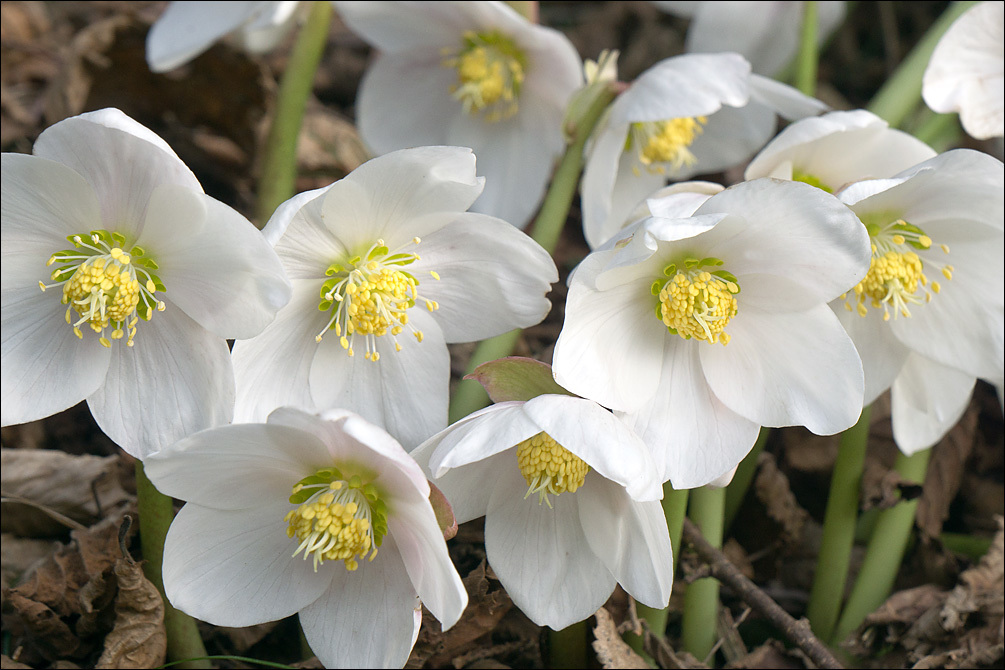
664 146
338 518
549 467
370 296
896 276
695 302
107 287
812 180
490 72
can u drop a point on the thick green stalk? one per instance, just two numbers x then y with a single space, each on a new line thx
674 506
901 93
884 553
701 600
809 50
567 647
156 511
736 492
279 161
839 530
469 396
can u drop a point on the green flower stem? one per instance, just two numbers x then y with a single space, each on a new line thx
156 511
839 530
809 50
736 492
939 131
279 162
901 93
567 647
884 553
469 396
674 505
701 600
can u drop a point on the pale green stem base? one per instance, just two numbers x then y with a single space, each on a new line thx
156 511
885 552
701 600
567 647
279 161
674 506
901 93
840 519
809 55
469 396
736 492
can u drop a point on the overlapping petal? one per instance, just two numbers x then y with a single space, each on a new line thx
927 400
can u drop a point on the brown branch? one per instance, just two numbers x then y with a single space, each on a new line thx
797 631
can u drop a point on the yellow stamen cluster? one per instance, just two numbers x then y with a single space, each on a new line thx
695 303
549 467
896 277
338 521
490 72
370 296
664 146
102 284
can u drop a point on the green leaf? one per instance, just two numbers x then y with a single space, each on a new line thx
516 378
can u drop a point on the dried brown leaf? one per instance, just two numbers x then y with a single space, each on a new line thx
82 488
17 555
772 489
7 663
945 473
138 639
611 650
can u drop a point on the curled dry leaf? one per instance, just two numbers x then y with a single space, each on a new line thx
612 651
945 473
82 488
772 488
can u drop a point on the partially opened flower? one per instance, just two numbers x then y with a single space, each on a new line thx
928 319
765 33
835 149
186 29
700 330
570 500
966 73
686 115
387 267
122 282
322 515
473 74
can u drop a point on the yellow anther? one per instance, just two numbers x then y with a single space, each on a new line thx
490 73
695 303
665 144
549 468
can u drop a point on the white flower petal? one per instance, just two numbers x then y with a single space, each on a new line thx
927 400
882 354
284 214
216 265
366 617
236 567
492 277
45 367
395 27
468 487
603 158
122 161
788 102
590 432
541 555
405 391
694 437
186 29
272 369
731 136
176 380
236 466
631 538
420 541
608 343
788 369
789 229
480 435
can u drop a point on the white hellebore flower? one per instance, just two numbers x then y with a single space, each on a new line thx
387 267
686 115
472 74
699 330
928 319
102 228
187 29
570 501
966 73
273 509
765 33
837 149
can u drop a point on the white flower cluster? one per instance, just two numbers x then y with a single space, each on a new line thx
851 260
